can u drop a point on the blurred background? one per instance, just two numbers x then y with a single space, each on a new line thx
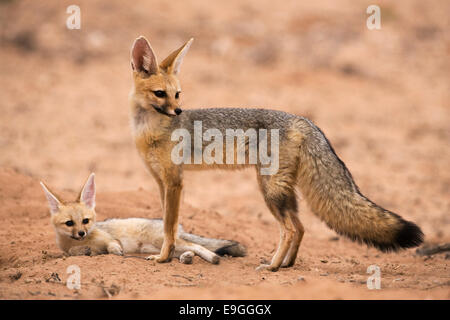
380 96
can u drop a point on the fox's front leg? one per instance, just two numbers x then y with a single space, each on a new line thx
161 187
172 194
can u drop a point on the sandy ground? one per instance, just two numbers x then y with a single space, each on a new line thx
381 97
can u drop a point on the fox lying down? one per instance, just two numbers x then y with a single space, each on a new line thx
78 233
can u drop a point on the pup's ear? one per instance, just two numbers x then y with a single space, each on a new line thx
53 201
143 58
87 195
172 63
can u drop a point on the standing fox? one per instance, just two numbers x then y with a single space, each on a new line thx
77 232
305 159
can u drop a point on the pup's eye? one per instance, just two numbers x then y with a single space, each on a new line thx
69 223
85 221
159 93
177 95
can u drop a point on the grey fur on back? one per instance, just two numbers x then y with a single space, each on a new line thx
235 118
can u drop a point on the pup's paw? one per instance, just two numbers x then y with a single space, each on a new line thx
115 248
187 257
215 259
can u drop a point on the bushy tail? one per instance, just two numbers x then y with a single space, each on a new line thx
220 247
333 196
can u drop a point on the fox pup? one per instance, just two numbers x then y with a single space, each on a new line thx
306 160
78 233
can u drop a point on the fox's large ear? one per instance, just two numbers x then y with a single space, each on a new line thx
143 58
87 195
53 201
172 63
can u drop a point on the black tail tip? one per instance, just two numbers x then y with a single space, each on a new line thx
409 236
235 250
404 235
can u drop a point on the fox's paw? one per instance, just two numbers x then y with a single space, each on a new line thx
215 259
152 257
157 258
187 257
287 264
268 267
115 248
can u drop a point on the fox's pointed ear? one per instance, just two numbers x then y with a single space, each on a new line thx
143 58
172 63
53 201
87 195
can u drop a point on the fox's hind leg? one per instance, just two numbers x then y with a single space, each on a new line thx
181 246
187 257
279 195
287 234
291 255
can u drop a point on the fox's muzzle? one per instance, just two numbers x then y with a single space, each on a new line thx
79 236
163 111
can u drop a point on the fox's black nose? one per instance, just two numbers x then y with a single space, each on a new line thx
81 233
178 111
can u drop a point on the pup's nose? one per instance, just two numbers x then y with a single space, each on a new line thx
81 233
178 111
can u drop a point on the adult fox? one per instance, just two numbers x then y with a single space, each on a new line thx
306 160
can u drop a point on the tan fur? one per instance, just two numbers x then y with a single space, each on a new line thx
306 160
123 236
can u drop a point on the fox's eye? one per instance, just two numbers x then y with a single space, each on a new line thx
69 223
177 95
85 221
159 93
